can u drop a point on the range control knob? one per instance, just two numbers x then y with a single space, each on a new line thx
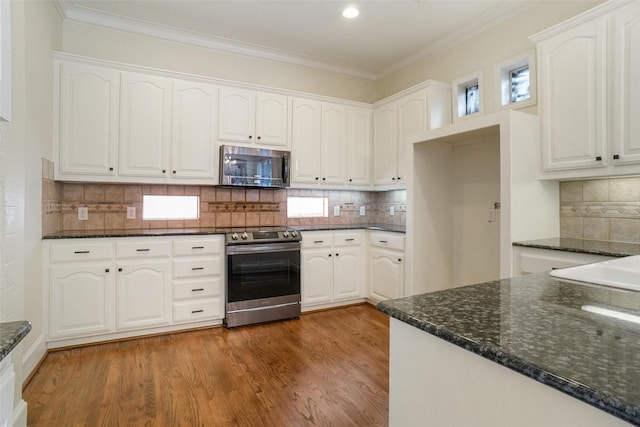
285 234
245 236
294 233
234 236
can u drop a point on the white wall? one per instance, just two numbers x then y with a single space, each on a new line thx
128 48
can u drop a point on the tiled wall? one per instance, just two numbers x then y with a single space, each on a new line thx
219 207
604 209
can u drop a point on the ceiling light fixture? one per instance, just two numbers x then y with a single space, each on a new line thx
350 12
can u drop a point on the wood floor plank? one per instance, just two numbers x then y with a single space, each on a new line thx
329 368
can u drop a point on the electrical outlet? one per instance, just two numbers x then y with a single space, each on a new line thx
131 212
83 213
362 210
392 211
336 210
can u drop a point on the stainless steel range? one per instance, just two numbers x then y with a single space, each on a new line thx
263 275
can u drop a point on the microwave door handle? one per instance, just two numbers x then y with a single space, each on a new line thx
285 170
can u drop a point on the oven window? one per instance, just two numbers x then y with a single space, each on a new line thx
262 275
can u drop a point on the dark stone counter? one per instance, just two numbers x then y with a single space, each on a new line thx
594 247
11 333
536 325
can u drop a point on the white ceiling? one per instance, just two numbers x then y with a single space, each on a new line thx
387 36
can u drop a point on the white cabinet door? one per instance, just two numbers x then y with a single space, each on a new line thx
387 273
82 300
385 150
573 107
88 120
317 276
144 294
626 126
334 144
305 141
412 118
271 120
194 151
359 147
347 272
144 125
236 115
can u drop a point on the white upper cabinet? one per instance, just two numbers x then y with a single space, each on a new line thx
394 124
87 137
626 108
252 118
306 134
193 131
334 144
144 125
359 159
589 93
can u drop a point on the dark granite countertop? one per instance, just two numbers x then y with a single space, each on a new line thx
11 333
535 325
74 234
594 247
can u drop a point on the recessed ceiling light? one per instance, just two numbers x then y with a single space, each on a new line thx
350 12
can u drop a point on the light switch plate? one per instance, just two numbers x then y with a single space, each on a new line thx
131 212
83 213
392 211
362 210
336 210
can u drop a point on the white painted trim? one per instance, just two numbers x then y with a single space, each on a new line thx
5 61
20 414
33 355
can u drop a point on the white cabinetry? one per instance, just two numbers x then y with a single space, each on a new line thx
535 260
396 121
7 390
112 288
252 117
145 111
386 264
332 267
331 144
87 136
194 151
588 93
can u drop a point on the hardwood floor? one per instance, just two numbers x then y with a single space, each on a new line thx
329 368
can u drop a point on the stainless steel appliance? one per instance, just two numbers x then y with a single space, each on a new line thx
253 167
263 276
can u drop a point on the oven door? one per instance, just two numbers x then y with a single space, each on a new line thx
256 272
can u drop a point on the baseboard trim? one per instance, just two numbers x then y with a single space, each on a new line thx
20 414
33 358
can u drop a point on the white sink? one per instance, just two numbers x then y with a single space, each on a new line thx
621 273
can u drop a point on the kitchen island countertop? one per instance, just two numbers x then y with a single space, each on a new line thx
536 325
75 234
594 247
11 333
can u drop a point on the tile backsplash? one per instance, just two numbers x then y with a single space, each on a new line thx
603 209
219 207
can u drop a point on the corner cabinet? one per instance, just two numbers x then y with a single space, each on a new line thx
396 120
588 93
111 288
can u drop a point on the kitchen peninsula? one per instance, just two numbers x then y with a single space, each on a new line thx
456 355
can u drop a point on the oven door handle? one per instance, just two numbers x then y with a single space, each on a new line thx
267 248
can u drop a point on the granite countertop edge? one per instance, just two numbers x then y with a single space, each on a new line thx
602 401
583 246
11 333
209 231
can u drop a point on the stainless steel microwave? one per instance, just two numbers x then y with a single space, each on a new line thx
254 167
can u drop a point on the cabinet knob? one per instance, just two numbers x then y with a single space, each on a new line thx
393 179
259 137
120 269
598 158
317 178
106 270
324 179
350 180
250 136
329 255
399 259
164 171
616 156
110 169
337 254
399 178
174 172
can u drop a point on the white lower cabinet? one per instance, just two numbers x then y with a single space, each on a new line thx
386 264
7 390
332 267
536 260
108 288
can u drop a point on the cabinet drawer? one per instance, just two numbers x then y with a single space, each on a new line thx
210 308
141 249
316 240
197 247
209 287
196 268
347 239
388 240
81 252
